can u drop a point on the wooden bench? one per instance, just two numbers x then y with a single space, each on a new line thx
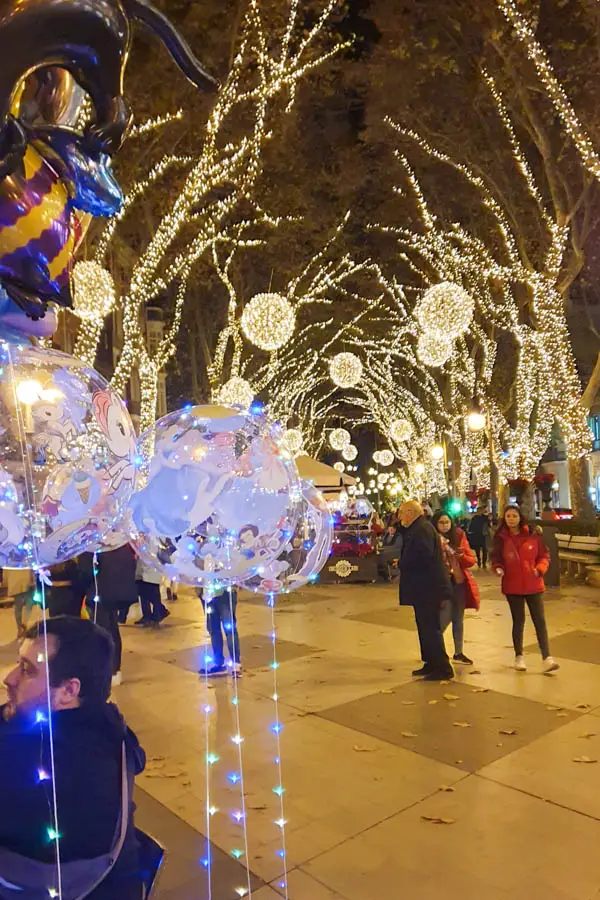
575 552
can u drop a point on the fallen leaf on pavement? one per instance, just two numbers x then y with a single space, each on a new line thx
589 735
445 682
458 762
508 731
562 715
496 717
481 690
475 672
584 759
447 789
451 697
554 709
432 702
583 706
358 749
387 691
408 703
462 724
409 734
438 820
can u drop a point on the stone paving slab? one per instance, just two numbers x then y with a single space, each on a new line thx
580 646
256 653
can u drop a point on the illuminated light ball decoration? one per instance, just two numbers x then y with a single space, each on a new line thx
446 303
219 498
293 439
434 349
236 392
345 370
339 438
339 466
94 293
350 452
401 430
386 457
268 321
67 457
476 421
377 456
437 452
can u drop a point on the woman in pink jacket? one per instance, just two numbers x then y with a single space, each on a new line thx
521 558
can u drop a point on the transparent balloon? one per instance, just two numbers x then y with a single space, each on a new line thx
305 553
219 497
67 456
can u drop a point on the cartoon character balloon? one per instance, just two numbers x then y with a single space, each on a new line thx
306 552
219 499
67 456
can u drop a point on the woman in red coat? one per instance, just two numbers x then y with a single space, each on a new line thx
459 559
521 558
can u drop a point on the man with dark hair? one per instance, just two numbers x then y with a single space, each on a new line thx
73 658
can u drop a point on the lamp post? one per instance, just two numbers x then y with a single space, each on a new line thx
479 421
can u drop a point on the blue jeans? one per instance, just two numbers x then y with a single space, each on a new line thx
455 612
220 617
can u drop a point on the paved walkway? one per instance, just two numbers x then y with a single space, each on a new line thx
488 787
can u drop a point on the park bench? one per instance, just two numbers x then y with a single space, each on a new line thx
575 552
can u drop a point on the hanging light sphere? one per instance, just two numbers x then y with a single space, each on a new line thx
350 452
293 439
268 321
437 452
386 457
339 466
434 349
93 291
401 430
420 468
448 303
345 370
339 438
376 456
236 392
476 421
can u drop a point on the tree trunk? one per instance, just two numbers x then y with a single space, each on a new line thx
579 484
528 502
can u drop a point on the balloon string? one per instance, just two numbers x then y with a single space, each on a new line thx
27 469
96 595
277 729
207 862
239 739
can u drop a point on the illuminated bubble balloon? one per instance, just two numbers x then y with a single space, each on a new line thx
219 498
305 553
67 456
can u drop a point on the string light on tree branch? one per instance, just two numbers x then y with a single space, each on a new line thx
345 370
268 321
339 438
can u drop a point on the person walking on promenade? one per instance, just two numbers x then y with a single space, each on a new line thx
425 585
148 584
459 558
221 617
479 535
520 558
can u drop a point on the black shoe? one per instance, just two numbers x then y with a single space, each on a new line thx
436 675
144 621
461 658
164 614
214 672
424 670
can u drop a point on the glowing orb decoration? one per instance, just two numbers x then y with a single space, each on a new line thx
236 392
350 452
339 466
376 456
476 421
345 370
437 452
401 430
218 499
339 438
306 552
293 439
446 303
420 468
93 291
386 457
434 349
268 321
67 457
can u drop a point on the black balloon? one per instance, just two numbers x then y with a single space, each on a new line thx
91 40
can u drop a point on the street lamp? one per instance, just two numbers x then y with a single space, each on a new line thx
476 421
419 468
437 452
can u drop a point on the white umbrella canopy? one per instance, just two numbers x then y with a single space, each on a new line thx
321 475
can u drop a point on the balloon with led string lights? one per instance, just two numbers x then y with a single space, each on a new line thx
67 456
218 499
305 553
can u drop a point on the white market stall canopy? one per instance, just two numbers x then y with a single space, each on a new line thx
324 477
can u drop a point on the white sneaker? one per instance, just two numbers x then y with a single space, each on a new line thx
520 664
117 679
236 670
550 666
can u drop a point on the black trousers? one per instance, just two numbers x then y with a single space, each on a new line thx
431 639
535 603
64 601
481 551
152 605
108 618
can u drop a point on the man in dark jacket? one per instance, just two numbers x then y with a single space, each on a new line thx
425 585
88 736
